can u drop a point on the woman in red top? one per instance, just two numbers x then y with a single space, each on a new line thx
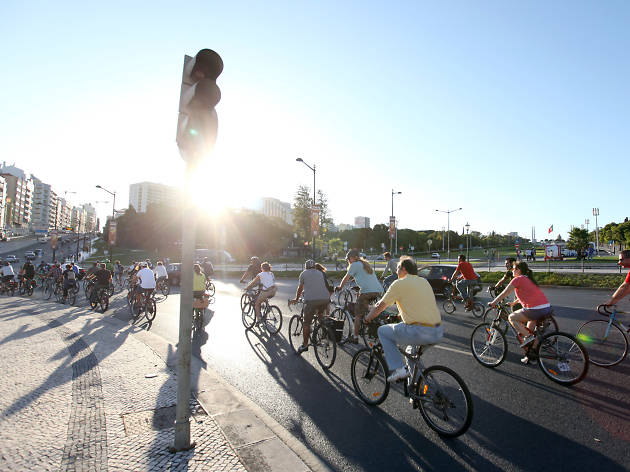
535 303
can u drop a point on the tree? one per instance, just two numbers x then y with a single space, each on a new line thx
559 238
324 216
578 239
302 212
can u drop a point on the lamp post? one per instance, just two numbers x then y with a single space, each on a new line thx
467 239
113 194
448 231
299 159
391 235
596 214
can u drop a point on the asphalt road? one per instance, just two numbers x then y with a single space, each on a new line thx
522 421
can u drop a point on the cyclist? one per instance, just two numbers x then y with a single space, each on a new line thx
160 272
7 272
268 282
28 271
92 270
199 282
252 270
468 278
535 304
370 288
507 277
624 288
42 268
207 267
103 278
118 272
316 298
391 267
421 321
69 280
75 268
147 280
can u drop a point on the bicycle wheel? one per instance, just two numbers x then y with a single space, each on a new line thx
605 342
341 315
273 319
165 288
48 293
477 310
369 376
150 309
29 290
369 340
490 317
325 346
295 332
488 345
562 358
103 301
445 402
59 294
72 297
249 315
449 306
110 289
245 298
93 300
198 319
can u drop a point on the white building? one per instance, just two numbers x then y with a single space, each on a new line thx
90 215
273 207
344 227
361 222
44 206
19 197
143 194
64 213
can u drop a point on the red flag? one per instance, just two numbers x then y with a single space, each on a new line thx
550 229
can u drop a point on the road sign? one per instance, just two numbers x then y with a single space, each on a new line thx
392 226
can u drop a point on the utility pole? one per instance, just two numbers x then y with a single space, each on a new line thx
596 214
448 232
393 218
313 230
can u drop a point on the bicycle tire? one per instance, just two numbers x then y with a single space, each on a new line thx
439 392
348 328
245 298
325 347
562 358
488 345
295 332
29 290
449 306
198 319
604 349
165 288
59 294
490 316
104 301
248 316
72 297
150 309
369 376
273 319
49 292
93 301
447 291
477 310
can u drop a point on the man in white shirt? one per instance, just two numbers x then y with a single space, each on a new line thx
160 272
7 272
146 278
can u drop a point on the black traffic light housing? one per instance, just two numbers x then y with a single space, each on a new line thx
198 123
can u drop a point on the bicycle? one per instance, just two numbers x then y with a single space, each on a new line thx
606 340
26 287
437 391
210 287
346 315
349 294
143 304
501 313
163 286
199 308
8 287
99 297
476 309
560 356
270 315
322 337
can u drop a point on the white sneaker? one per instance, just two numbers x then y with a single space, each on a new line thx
411 350
400 373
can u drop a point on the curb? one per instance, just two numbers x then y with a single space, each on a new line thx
260 441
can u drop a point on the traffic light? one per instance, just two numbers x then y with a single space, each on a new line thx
197 123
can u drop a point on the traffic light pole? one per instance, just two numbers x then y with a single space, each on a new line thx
184 348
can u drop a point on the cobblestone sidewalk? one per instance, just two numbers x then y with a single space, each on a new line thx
79 394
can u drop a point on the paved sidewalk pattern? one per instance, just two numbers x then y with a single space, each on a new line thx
79 392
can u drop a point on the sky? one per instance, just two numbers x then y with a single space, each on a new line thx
517 112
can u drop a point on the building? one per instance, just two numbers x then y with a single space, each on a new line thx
19 197
513 234
273 207
90 215
3 196
143 194
44 206
361 222
64 214
344 227
78 219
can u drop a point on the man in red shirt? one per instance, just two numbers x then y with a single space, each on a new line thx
624 288
469 278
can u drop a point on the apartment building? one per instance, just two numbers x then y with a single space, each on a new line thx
18 201
273 207
44 206
143 194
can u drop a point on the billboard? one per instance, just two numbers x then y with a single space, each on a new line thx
112 233
315 219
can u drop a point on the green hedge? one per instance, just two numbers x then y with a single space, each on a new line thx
610 281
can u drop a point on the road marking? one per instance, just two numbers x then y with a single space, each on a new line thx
446 348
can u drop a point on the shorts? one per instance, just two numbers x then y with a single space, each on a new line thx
312 306
267 294
363 302
537 314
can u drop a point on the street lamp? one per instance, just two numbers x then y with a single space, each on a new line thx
391 235
113 194
596 214
448 223
467 239
299 159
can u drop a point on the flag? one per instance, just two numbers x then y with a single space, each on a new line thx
550 229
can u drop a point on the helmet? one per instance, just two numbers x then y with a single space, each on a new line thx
142 264
352 253
255 259
309 264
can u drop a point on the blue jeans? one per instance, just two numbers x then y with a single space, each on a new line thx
402 334
389 280
463 286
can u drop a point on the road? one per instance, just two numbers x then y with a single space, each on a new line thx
522 421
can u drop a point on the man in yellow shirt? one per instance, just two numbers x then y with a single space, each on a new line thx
421 321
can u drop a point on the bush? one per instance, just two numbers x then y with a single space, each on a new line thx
611 281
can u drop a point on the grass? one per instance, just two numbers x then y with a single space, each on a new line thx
609 281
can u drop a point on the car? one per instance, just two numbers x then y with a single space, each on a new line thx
30 255
11 259
438 276
39 252
174 272
435 255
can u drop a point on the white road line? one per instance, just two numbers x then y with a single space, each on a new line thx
446 348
